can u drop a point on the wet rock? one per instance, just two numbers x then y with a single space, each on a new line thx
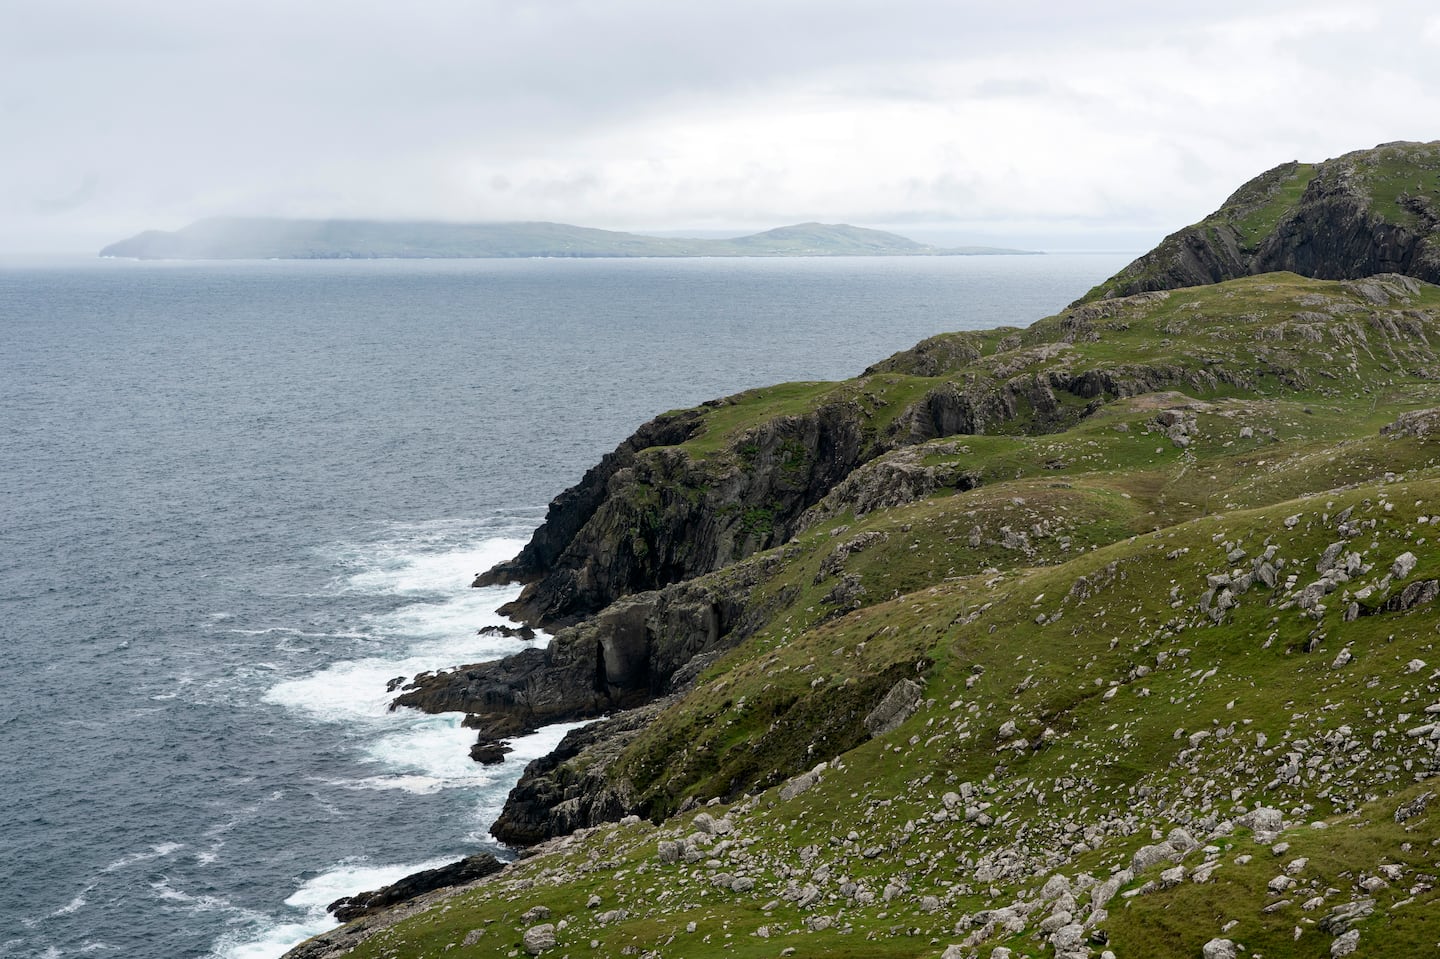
489 752
526 633
416 884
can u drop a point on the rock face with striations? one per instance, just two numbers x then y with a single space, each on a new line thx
1371 211
651 514
629 653
660 510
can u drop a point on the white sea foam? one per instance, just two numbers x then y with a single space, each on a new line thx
438 629
76 904
270 937
418 567
168 893
434 626
154 852
432 754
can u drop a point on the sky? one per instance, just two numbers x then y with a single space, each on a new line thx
1047 125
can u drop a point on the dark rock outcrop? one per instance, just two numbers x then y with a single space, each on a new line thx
573 508
554 797
622 657
490 752
651 514
526 633
458 873
1367 212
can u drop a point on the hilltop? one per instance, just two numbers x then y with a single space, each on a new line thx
1110 636
1370 211
228 238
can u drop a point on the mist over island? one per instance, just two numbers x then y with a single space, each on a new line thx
245 238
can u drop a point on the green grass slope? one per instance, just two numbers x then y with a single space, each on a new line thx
1101 756
1162 666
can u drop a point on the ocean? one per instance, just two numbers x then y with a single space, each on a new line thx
238 498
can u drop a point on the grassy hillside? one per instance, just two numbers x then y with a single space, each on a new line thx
1366 212
1161 654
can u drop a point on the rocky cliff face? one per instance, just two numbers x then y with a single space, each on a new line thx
573 508
624 656
1372 211
652 513
659 511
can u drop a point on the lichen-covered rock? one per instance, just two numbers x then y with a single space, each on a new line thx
1219 949
539 939
1417 424
898 705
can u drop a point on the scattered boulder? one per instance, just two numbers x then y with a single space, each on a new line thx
1218 949
1341 918
539 939
1265 822
1152 855
798 784
1345 943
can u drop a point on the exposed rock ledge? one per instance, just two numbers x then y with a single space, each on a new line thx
464 871
623 657
654 513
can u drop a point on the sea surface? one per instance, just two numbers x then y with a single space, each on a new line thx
237 498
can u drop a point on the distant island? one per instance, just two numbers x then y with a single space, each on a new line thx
260 238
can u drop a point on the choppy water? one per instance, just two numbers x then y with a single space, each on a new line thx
237 498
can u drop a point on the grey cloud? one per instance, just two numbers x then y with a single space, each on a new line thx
186 109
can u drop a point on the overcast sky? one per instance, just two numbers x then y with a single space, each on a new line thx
1057 125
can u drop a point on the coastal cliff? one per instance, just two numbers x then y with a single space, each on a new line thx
1112 633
